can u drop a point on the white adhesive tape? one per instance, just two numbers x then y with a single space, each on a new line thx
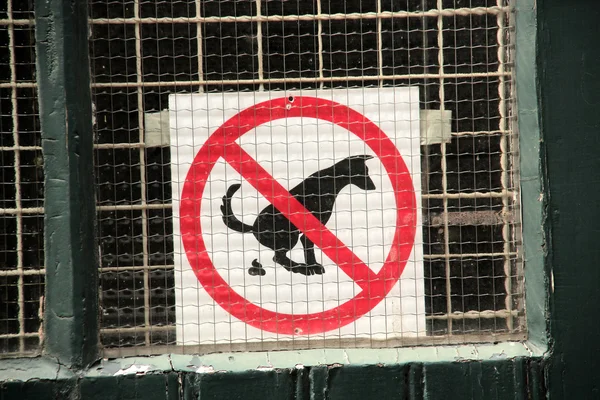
436 126
157 128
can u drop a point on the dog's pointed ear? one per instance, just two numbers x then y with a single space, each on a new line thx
363 157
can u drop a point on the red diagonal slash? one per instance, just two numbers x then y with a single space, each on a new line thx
298 215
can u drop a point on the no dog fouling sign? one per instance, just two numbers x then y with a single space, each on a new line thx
297 215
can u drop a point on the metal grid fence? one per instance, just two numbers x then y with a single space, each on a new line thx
457 51
21 184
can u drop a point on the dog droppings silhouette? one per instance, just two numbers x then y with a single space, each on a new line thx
317 194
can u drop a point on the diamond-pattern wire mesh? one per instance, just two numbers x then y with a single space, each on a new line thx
21 184
457 51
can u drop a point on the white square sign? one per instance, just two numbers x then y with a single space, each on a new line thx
297 215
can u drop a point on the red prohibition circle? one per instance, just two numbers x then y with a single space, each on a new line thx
380 284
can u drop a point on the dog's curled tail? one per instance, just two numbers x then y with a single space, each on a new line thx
228 217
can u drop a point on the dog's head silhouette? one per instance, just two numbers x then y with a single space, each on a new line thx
354 169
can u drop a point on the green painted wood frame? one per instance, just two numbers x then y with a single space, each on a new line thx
557 82
71 299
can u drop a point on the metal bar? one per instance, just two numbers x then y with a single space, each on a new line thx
142 155
135 268
25 272
18 336
18 22
461 218
306 344
133 145
71 307
307 17
486 314
110 146
259 45
17 183
10 85
134 207
20 148
137 329
20 211
444 168
199 41
315 79
476 133
379 41
320 43
467 255
425 92
160 267
504 178
162 206
470 195
516 226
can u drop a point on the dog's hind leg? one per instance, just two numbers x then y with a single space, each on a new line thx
291 265
309 256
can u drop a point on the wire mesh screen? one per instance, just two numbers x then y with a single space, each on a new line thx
457 53
21 184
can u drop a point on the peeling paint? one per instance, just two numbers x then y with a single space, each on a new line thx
346 358
413 381
498 356
205 369
195 360
135 369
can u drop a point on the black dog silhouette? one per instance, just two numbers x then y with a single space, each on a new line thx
317 194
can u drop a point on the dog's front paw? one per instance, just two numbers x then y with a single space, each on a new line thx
313 269
316 269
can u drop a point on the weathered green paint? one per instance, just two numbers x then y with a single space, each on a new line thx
367 382
486 380
532 176
476 380
282 360
40 368
569 73
148 387
38 390
559 258
71 309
